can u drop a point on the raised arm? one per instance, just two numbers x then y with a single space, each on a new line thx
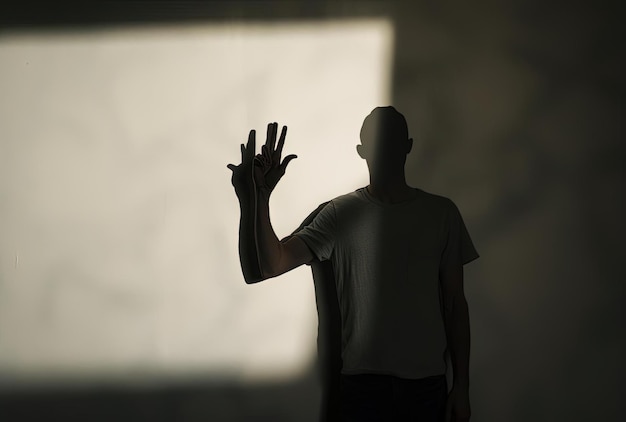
243 182
262 255
275 257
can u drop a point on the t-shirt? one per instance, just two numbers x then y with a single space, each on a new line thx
386 260
328 331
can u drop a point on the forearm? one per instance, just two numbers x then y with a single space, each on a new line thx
268 245
248 256
458 335
260 251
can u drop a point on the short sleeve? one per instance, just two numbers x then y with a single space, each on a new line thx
458 249
319 234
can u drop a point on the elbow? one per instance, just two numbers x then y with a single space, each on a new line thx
269 266
267 273
258 277
252 275
252 280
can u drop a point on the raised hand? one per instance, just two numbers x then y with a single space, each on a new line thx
268 169
242 178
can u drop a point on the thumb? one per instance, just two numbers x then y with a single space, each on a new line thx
287 159
232 167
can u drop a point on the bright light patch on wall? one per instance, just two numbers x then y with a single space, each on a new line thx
119 225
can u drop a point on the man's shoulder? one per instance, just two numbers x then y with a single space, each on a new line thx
358 198
338 201
350 195
434 204
354 196
434 198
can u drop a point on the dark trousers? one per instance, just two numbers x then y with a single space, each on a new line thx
370 397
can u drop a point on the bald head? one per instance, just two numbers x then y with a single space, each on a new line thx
384 125
385 138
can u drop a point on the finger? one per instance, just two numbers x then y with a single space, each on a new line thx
259 161
271 136
232 167
268 136
243 152
251 148
281 143
283 166
265 153
275 132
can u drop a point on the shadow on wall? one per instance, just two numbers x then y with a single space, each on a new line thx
518 105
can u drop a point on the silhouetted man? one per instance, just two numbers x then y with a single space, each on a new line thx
397 256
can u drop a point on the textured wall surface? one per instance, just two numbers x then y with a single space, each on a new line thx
120 222
518 112
515 108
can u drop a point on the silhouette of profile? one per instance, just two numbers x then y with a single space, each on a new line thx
388 269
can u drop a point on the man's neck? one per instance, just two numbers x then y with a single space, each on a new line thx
390 191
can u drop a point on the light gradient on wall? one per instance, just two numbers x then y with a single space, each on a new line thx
118 236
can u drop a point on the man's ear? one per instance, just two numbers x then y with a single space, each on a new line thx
409 145
360 149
